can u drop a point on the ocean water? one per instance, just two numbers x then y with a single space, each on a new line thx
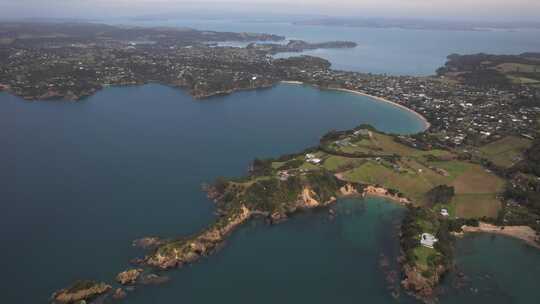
391 50
497 270
81 180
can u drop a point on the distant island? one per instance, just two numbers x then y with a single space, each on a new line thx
419 24
475 167
300 46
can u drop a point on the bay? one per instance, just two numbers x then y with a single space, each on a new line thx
82 180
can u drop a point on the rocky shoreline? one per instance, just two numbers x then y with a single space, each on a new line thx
178 253
207 242
80 291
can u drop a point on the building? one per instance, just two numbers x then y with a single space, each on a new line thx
444 212
312 159
427 240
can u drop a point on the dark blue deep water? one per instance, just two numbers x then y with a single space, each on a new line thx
81 180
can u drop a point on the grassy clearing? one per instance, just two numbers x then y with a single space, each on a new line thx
522 80
477 180
336 163
410 183
414 180
476 205
422 255
512 67
414 172
505 151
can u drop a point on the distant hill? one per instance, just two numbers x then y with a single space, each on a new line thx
418 24
486 69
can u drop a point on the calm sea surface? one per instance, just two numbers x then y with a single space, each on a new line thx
82 180
391 51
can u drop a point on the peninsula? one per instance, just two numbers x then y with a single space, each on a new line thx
477 160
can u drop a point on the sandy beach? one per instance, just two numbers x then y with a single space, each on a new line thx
427 125
524 233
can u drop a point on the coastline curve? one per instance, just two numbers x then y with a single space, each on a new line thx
426 123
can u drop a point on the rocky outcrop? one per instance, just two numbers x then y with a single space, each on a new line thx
119 294
177 253
80 291
419 285
147 242
154 279
307 199
348 190
129 276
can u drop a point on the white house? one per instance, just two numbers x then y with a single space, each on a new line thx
427 240
312 159
315 161
444 212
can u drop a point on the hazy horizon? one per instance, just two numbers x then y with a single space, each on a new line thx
464 10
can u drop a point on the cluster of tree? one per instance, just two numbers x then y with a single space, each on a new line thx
324 183
456 224
523 189
272 194
261 167
291 164
441 194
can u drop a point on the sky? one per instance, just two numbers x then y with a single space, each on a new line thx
486 10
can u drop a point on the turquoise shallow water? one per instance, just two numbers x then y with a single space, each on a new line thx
497 270
82 180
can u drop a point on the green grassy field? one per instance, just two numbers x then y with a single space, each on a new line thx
506 151
415 172
476 205
422 255
512 67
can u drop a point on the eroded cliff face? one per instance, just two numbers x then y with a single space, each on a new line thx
383 192
348 190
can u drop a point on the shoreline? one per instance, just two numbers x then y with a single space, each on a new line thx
426 123
524 233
